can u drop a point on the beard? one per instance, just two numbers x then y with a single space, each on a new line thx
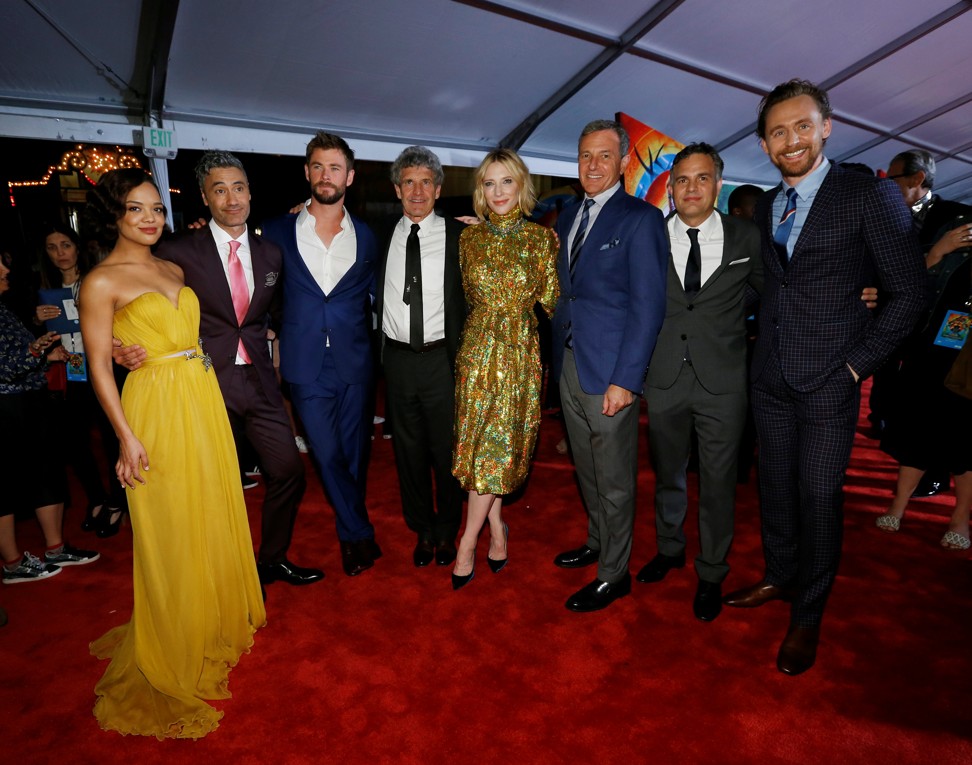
790 170
321 195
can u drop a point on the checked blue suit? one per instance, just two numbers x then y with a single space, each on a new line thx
812 326
325 355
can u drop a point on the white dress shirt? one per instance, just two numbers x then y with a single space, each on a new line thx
222 239
432 240
326 264
711 242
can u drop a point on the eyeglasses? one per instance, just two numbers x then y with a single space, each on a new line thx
898 175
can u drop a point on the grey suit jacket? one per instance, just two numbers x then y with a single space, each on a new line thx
713 324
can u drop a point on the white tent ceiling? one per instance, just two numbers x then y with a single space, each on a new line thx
463 76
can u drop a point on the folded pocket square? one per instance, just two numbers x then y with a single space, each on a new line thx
741 260
609 245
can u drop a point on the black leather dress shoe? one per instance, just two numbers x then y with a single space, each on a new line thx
285 571
598 595
708 601
798 651
758 594
354 558
932 483
445 552
424 553
582 556
658 567
369 548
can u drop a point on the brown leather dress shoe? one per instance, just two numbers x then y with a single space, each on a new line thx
798 651
757 595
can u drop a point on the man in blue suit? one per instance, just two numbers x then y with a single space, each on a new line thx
825 233
325 351
613 270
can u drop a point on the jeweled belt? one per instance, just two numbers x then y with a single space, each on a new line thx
188 355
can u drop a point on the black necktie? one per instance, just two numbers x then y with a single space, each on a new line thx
693 268
413 290
578 243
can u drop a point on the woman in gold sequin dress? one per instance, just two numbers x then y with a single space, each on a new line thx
196 591
508 265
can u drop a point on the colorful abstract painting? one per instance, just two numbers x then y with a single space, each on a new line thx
651 152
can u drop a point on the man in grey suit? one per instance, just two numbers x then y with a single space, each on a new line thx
697 377
613 255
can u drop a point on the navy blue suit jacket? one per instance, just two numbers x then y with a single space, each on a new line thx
858 228
311 319
615 304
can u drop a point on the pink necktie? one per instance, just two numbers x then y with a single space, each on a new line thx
241 293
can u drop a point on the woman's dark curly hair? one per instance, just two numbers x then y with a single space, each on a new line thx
106 203
50 275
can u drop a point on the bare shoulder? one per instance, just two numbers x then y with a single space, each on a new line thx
170 269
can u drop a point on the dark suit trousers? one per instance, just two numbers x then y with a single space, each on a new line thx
605 453
420 398
673 415
805 443
260 416
337 418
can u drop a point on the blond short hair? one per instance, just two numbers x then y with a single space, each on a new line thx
517 170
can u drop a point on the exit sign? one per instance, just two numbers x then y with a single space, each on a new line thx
157 142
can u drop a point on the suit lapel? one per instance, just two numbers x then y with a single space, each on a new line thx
824 200
216 276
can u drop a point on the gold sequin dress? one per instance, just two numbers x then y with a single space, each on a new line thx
508 265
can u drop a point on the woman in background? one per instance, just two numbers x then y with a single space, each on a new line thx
197 595
31 462
63 264
508 265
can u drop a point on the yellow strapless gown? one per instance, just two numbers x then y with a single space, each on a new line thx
197 595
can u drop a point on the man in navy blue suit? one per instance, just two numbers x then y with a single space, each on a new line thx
613 271
325 350
825 233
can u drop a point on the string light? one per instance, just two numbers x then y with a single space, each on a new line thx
91 161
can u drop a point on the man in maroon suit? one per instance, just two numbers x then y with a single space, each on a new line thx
233 271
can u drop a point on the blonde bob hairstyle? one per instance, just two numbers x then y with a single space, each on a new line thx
518 172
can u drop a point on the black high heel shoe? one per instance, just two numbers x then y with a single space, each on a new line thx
107 527
497 565
458 582
92 519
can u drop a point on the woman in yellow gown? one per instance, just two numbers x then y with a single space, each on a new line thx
197 595
508 266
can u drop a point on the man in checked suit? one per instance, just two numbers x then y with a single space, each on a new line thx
238 348
825 233
612 269
697 380
420 374
325 347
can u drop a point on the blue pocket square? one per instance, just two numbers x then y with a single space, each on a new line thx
610 245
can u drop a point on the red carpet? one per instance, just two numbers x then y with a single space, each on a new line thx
392 666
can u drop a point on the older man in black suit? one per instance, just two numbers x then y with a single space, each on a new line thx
697 378
420 339
825 232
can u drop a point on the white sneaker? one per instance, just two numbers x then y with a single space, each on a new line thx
301 444
30 569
